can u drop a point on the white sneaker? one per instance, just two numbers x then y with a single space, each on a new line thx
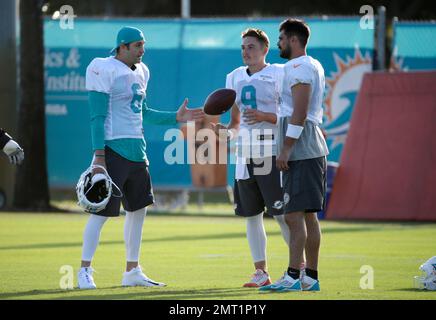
136 277
309 284
285 283
260 278
85 279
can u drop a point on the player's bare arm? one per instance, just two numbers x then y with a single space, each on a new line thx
233 126
300 98
253 116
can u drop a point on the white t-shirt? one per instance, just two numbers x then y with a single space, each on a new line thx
126 89
259 91
306 70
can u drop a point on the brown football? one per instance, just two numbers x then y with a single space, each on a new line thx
219 101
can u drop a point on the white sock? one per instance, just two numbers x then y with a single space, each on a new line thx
286 233
256 237
91 236
133 233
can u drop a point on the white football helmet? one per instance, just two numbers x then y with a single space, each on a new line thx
94 191
428 280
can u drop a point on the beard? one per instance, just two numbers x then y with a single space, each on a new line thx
286 53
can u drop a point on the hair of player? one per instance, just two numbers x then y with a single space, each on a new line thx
296 27
258 34
126 44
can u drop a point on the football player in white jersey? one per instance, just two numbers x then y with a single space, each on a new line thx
117 89
254 117
302 156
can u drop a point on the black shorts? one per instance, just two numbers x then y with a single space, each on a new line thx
134 181
305 185
259 191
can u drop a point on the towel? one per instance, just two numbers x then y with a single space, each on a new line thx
241 170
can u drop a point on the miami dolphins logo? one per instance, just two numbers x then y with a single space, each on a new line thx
136 103
342 88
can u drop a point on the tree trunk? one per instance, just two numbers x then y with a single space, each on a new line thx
31 188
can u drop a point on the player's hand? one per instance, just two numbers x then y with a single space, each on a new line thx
282 159
14 152
98 161
252 116
221 131
216 127
184 114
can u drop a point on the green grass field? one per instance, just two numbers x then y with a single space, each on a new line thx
206 258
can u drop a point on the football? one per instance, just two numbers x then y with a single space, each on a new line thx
219 101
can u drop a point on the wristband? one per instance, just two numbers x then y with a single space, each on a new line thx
294 131
100 155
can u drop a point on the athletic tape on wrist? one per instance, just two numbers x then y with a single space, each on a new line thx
294 131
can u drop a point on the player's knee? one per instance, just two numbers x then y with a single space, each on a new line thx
294 219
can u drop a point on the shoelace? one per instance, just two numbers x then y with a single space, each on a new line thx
87 274
86 277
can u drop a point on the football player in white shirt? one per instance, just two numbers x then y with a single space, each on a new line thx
302 156
257 186
117 89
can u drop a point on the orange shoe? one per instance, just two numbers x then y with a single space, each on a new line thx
259 279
